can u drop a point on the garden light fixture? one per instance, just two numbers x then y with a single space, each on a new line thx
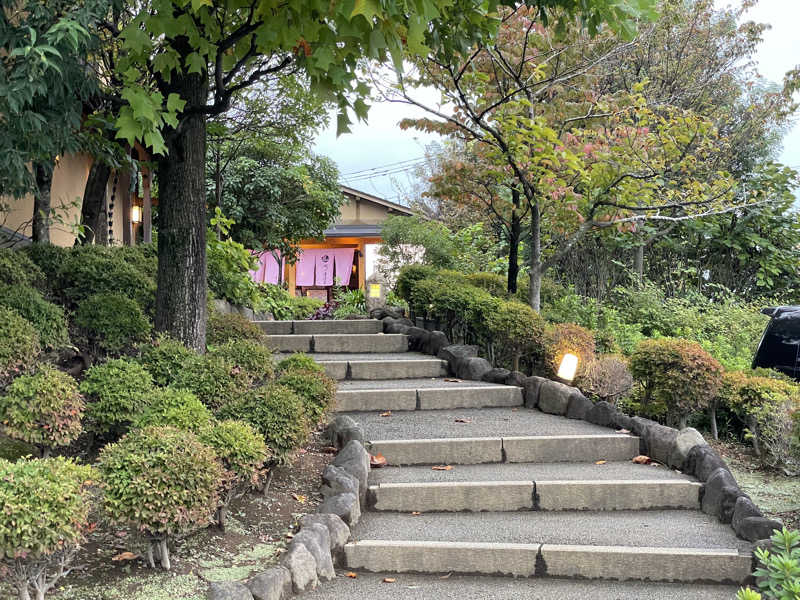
136 214
568 367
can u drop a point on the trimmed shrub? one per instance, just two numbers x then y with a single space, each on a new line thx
275 300
175 408
567 338
17 269
214 380
242 451
277 413
303 307
47 318
112 322
515 329
495 284
161 481
43 522
164 358
44 409
252 358
226 327
19 343
116 391
299 361
606 379
48 257
408 276
143 257
678 373
316 389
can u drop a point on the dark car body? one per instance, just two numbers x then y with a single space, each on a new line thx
780 345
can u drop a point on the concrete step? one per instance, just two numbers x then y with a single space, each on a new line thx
336 343
369 586
522 449
430 394
365 369
621 563
475 496
355 326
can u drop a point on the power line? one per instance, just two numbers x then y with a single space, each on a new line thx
419 159
385 173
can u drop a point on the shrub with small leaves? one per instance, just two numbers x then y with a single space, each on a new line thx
214 380
226 327
43 521
116 391
164 358
47 318
176 408
607 378
277 413
495 284
48 257
17 269
19 343
112 322
242 451
253 358
161 481
678 373
316 389
44 409
301 361
567 338
303 307
778 572
409 275
515 330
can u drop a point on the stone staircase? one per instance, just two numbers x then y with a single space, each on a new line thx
478 485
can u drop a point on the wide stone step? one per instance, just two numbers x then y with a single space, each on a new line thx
669 564
522 449
404 395
336 343
354 326
529 495
366 369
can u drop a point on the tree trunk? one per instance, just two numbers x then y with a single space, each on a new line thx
94 195
181 294
23 594
638 262
41 203
164 551
712 416
536 258
515 232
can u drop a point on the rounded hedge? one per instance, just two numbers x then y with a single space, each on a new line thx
408 276
164 358
48 257
45 506
251 357
160 480
215 381
19 343
495 284
240 448
44 409
17 269
112 321
175 408
47 318
116 391
301 361
316 390
515 329
277 413
227 327
607 378
567 338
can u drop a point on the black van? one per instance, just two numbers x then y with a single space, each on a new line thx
780 345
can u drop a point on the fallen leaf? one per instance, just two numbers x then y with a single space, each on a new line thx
514 409
600 462
442 468
302 451
641 460
377 461
463 420
351 575
389 580
446 576
416 513
125 556
300 498
388 413
623 431
452 380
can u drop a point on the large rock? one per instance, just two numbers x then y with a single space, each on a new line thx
743 509
386 311
531 387
602 414
436 341
228 590
417 338
302 566
515 378
496 375
354 459
338 530
342 430
757 528
473 368
660 441
578 406
317 540
272 584
623 421
639 426
345 506
687 439
454 352
702 461
554 397
720 494
335 480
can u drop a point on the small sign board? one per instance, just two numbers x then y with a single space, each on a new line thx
374 290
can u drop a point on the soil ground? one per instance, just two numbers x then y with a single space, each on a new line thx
259 528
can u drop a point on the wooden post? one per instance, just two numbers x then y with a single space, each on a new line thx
124 195
147 207
362 265
291 277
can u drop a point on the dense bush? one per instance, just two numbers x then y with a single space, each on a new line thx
254 359
48 257
606 378
274 300
243 453
115 391
316 389
164 358
299 361
677 373
408 276
47 318
229 266
43 521
277 413
515 330
233 326
214 380
143 257
567 338
17 269
303 307
176 408
495 284
161 481
112 322
19 343
44 409
349 302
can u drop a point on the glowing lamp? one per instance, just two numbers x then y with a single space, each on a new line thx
136 214
568 367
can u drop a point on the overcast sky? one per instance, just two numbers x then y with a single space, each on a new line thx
379 158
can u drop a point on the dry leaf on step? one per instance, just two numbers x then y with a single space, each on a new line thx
452 380
416 513
600 462
388 413
442 468
376 461
389 580
446 576
641 460
623 431
351 575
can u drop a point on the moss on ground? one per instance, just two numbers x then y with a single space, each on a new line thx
152 586
13 449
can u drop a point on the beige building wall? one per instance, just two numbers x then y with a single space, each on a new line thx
356 212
